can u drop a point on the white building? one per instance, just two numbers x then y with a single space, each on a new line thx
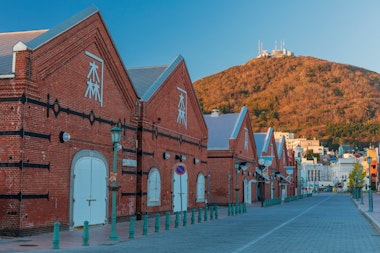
341 170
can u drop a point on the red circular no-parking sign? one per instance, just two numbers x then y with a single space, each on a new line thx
180 169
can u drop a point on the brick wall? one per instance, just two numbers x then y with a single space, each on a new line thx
59 69
223 173
161 133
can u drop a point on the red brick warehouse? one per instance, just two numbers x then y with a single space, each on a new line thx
172 149
231 157
66 89
68 79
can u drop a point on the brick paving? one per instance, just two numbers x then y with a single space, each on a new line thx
373 217
292 231
99 234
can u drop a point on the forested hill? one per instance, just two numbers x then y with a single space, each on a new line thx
310 97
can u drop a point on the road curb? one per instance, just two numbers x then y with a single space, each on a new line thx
374 223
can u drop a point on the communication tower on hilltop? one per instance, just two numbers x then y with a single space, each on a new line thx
276 53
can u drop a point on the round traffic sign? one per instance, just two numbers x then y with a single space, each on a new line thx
180 169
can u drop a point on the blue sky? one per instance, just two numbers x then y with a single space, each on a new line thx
213 35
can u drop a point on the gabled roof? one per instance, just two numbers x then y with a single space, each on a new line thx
7 41
222 128
59 29
262 141
147 80
259 141
35 39
143 78
280 146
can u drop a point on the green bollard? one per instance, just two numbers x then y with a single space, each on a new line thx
216 212
211 212
145 226
370 200
229 210
167 223
176 219
236 209
205 213
56 235
199 215
184 218
85 235
157 224
132 227
192 216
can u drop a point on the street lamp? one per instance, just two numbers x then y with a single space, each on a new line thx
238 166
370 200
289 171
356 186
266 161
300 185
361 182
116 136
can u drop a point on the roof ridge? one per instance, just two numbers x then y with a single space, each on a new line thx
27 31
149 67
62 27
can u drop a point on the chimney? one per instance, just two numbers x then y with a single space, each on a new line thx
215 113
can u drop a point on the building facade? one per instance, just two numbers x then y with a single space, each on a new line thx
62 90
232 157
172 140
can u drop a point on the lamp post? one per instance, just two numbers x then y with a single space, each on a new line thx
356 186
289 171
370 200
298 161
116 136
266 161
238 166
361 185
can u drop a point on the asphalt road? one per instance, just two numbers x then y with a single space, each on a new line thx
322 223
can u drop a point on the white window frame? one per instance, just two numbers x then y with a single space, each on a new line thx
154 188
201 186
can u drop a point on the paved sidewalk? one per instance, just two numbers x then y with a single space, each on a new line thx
99 234
373 217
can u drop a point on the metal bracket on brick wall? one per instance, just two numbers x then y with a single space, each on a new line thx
23 133
22 165
20 196
56 107
126 194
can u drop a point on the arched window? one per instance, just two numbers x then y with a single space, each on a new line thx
154 188
201 188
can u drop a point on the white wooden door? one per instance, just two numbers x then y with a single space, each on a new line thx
180 193
90 191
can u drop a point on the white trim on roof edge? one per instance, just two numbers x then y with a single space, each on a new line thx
7 76
164 75
19 46
267 140
238 122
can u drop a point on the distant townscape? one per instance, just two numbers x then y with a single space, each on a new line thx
321 169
